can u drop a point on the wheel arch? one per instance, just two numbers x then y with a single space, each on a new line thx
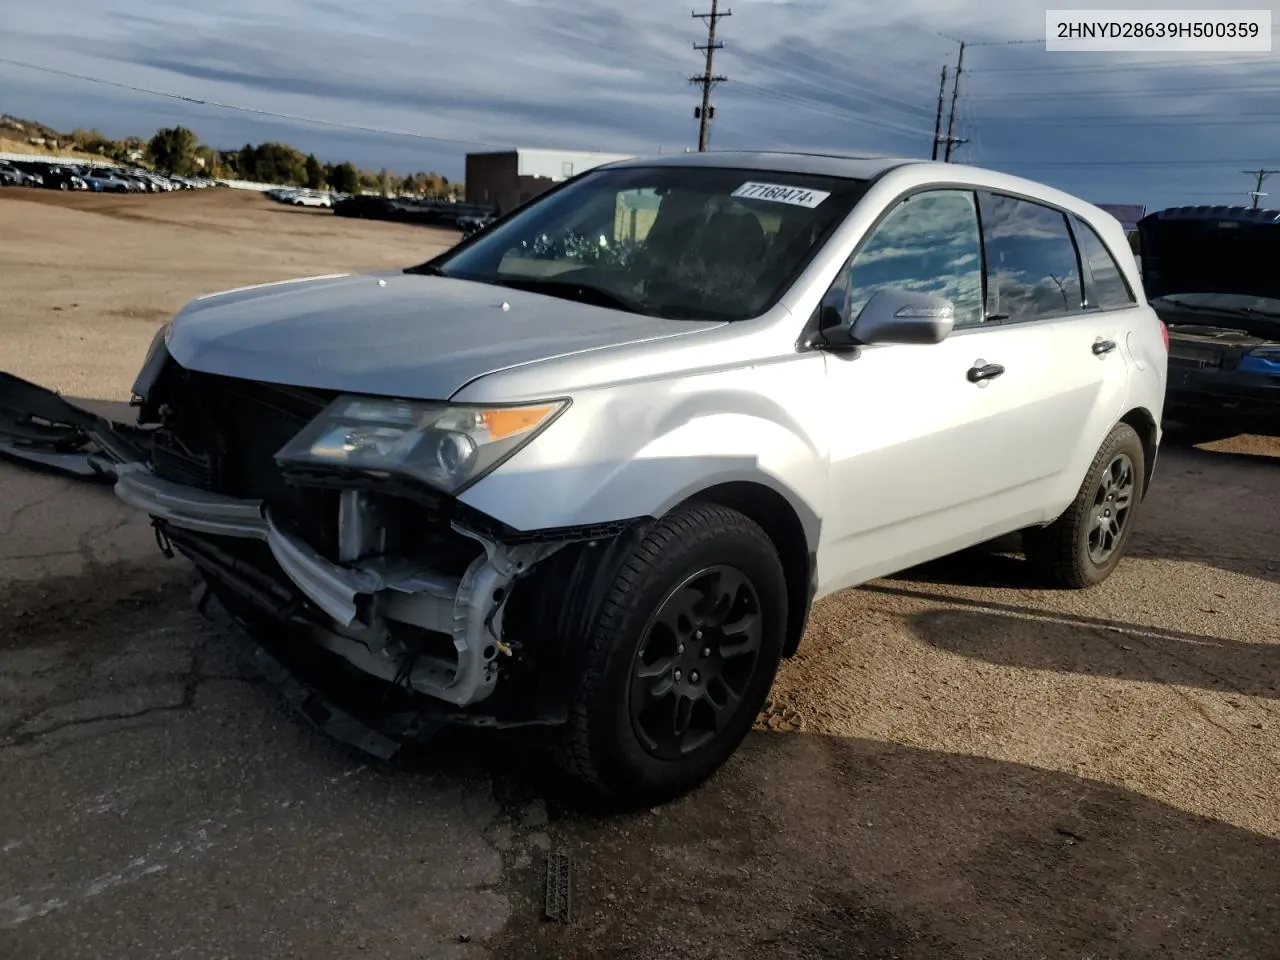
1144 424
778 518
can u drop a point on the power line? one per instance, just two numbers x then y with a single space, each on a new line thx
708 79
969 121
825 82
1005 43
1123 93
987 43
830 110
858 116
1128 66
1167 120
200 101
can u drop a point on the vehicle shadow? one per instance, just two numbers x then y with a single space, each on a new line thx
803 846
1216 509
811 846
1041 639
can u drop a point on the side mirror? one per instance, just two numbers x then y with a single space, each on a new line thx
896 316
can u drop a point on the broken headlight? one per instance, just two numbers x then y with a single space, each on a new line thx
444 445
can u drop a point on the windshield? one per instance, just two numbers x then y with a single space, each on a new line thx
677 242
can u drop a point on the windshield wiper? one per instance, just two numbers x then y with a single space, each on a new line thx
428 269
1226 311
572 290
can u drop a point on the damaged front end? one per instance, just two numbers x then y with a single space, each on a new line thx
399 580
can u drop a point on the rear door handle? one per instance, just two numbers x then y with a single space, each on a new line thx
1103 346
981 371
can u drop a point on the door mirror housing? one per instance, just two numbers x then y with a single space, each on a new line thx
893 316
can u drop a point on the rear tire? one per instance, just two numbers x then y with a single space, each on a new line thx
694 619
1085 545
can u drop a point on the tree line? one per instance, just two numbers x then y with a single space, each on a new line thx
178 150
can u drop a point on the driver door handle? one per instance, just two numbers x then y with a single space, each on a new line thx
984 371
1103 346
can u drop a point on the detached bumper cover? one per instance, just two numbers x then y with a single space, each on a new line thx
39 427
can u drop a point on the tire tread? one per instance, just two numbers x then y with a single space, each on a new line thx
1053 549
690 524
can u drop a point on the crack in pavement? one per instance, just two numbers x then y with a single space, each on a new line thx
22 739
10 522
191 681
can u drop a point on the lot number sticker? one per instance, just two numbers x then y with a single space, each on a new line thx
777 193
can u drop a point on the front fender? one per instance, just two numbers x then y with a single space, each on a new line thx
622 453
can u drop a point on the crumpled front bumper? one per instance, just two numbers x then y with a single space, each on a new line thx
332 588
365 601
381 614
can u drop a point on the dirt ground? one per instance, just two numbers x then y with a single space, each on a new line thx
958 764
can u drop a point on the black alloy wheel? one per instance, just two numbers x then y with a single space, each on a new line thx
1085 545
1112 504
696 663
672 667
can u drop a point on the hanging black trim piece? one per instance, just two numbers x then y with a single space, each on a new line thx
39 427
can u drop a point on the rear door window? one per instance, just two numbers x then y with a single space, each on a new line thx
1033 271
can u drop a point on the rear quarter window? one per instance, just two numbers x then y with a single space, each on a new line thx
1108 289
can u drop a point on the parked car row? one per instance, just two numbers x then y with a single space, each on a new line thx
57 175
430 213
298 197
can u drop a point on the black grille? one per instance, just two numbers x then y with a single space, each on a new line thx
222 434
173 460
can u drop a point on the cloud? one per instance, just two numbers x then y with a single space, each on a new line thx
929 244
850 75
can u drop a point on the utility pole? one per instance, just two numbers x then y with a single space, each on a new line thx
955 93
1256 192
707 79
937 120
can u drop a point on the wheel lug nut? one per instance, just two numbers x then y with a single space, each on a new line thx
680 648
677 674
694 676
706 651
697 634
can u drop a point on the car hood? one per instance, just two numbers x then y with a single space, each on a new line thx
1233 254
394 334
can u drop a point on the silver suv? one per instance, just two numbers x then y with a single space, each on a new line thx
590 468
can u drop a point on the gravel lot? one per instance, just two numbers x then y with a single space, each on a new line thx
958 765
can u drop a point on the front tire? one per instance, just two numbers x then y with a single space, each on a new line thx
1085 545
681 655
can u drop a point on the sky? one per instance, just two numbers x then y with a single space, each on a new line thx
854 76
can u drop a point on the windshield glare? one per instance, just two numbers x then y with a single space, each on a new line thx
681 242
